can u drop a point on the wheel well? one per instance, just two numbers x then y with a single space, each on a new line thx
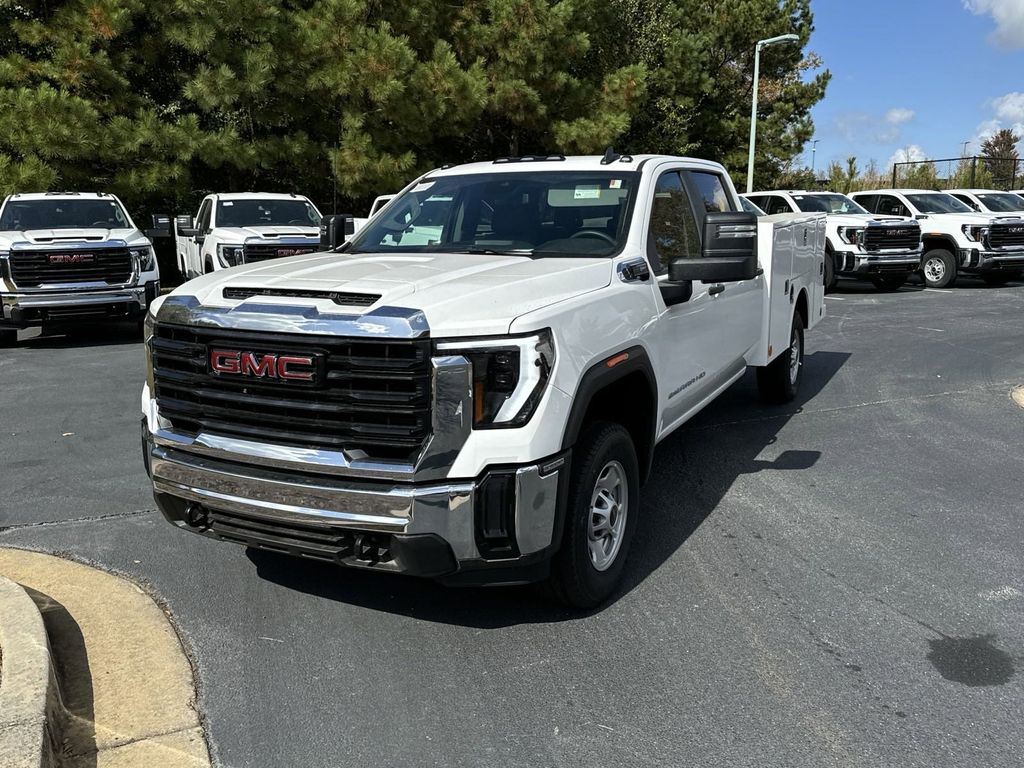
628 401
934 242
801 307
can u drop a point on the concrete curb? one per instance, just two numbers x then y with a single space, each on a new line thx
28 688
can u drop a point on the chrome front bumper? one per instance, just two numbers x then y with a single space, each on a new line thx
853 263
507 517
22 309
985 261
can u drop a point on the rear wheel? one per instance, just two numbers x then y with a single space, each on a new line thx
8 337
779 381
604 495
889 282
939 268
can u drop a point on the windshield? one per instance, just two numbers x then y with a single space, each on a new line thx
749 207
529 213
1002 202
937 202
63 213
827 203
262 213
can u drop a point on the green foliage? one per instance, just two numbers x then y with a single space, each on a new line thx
1000 151
345 99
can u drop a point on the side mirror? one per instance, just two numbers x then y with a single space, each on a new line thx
729 253
161 226
185 225
335 230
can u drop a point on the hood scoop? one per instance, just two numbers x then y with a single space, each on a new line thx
338 297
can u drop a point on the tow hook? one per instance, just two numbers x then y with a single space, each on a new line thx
368 548
197 516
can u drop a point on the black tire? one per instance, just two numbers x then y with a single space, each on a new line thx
8 337
830 271
777 382
938 268
996 280
889 282
575 579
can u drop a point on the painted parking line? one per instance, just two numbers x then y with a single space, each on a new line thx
835 298
937 290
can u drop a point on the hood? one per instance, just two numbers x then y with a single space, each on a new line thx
860 219
73 237
269 232
460 294
960 219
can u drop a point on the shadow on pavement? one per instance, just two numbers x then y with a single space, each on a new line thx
693 470
83 335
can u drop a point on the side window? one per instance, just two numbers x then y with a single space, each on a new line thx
777 204
866 201
759 201
203 219
968 202
673 233
712 191
888 205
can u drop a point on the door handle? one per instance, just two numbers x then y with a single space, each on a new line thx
716 289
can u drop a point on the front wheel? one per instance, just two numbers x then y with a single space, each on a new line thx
604 496
779 381
830 272
889 282
939 268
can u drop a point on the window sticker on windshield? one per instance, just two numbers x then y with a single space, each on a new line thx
423 186
227 203
615 184
587 192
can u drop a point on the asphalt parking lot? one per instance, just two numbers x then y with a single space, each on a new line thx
835 583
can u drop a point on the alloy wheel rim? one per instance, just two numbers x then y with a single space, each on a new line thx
795 360
606 522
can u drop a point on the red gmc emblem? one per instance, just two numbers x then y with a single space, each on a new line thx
293 251
270 366
70 258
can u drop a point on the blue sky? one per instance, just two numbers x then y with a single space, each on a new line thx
917 75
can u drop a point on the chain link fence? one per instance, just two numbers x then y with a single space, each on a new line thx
960 173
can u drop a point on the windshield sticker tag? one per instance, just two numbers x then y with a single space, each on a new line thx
589 192
423 186
227 203
615 184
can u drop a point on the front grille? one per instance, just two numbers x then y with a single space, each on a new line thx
1006 235
338 297
253 252
373 396
30 269
905 237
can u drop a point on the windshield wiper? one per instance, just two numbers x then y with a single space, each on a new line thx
493 251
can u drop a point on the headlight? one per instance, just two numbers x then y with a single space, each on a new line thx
146 257
974 232
509 376
851 235
230 255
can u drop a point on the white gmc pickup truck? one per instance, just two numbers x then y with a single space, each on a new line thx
956 239
860 245
483 406
245 227
68 257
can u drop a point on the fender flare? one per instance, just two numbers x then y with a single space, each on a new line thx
598 377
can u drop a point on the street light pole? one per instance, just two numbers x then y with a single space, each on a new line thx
963 153
814 150
753 106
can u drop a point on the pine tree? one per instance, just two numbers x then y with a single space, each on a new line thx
1000 152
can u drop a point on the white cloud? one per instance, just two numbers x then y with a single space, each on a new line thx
1009 18
899 116
909 154
1010 107
879 129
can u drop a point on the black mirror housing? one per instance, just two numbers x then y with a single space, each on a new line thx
161 226
185 225
729 252
335 229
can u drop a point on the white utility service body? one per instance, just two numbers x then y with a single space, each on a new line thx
436 407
